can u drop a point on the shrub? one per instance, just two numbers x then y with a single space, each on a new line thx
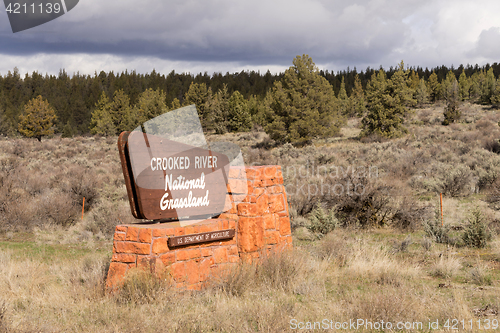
83 185
322 222
409 214
492 145
494 197
106 215
361 202
476 233
298 222
56 208
454 181
437 232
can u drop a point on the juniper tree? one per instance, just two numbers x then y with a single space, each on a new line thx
342 99
198 94
102 121
446 85
302 105
357 100
217 110
487 86
239 118
495 98
124 116
422 93
463 86
150 104
387 102
452 112
38 118
114 117
434 87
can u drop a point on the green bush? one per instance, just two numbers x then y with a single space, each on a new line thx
476 233
322 222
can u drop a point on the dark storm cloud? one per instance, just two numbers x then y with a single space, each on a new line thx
339 33
258 31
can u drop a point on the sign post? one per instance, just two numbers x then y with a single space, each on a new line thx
218 212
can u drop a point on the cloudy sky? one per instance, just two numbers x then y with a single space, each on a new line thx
234 35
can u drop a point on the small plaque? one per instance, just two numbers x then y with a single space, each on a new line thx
201 238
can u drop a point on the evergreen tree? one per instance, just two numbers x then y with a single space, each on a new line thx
217 110
463 86
240 119
257 110
79 114
400 88
197 94
357 100
446 85
37 119
413 80
8 124
150 104
487 86
387 100
422 93
495 98
124 116
452 111
342 99
102 121
67 131
302 106
434 87
176 104
475 90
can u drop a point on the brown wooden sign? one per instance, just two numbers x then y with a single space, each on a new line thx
201 238
170 180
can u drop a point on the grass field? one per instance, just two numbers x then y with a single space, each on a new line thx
376 266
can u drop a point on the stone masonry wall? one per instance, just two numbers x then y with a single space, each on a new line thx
260 218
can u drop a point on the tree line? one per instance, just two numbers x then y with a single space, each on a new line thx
295 106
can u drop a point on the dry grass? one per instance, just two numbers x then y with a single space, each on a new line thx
346 275
378 265
53 263
447 266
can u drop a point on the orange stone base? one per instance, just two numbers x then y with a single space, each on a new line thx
260 218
